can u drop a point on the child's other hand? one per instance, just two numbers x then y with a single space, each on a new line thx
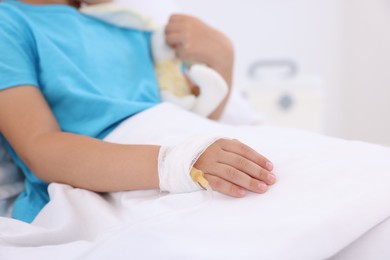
232 168
194 40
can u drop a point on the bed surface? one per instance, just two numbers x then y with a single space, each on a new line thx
331 194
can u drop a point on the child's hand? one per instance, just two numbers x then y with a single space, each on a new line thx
194 40
232 168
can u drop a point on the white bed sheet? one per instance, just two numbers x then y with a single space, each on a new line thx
372 245
330 193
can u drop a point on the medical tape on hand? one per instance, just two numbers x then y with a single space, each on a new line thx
175 163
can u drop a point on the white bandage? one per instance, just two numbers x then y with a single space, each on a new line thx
175 163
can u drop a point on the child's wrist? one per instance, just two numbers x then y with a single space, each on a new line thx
176 162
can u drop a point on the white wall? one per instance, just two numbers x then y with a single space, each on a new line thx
346 42
366 75
300 30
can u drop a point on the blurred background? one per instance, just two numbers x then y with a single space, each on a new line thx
321 65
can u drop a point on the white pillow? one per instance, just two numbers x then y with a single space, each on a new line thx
11 181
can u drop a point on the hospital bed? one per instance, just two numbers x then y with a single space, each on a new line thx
331 202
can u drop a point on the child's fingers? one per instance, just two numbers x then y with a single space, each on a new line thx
173 28
180 23
174 38
228 169
182 19
248 167
185 51
222 186
182 45
240 178
176 17
237 147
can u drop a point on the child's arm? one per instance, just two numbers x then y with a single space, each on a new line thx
54 156
30 127
194 40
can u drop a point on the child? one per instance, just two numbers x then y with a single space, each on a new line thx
67 80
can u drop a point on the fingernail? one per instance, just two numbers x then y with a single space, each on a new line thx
271 177
262 186
269 166
241 192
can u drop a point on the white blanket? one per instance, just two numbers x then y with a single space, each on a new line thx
329 193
